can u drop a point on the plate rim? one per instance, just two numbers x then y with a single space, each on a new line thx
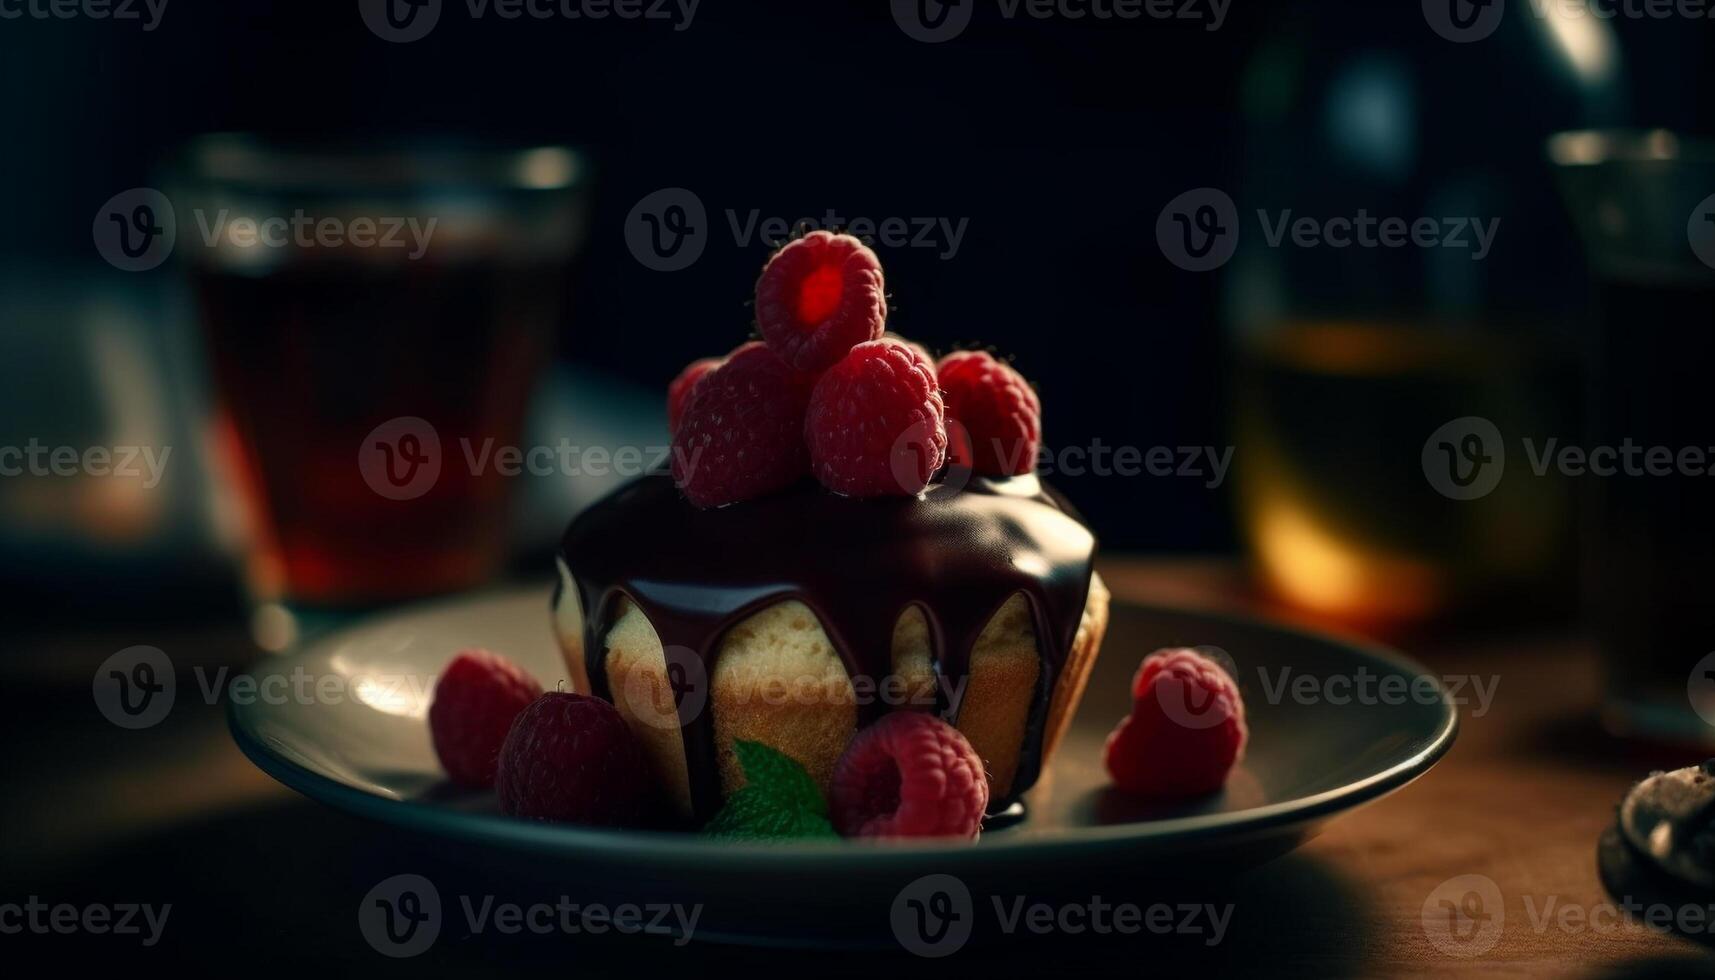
676 847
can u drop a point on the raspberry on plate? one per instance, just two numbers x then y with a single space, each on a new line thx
999 416
743 435
474 703
819 297
571 758
876 426
683 387
1185 732
909 775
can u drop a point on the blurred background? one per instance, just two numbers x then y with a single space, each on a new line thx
1029 168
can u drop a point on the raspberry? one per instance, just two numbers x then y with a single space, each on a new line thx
744 433
819 297
683 387
1185 731
909 775
919 349
876 426
999 416
475 700
571 758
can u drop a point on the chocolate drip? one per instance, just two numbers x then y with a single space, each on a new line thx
956 554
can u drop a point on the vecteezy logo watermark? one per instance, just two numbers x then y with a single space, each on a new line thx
1464 458
1464 916
665 701
126 462
400 459
1463 21
1700 230
1199 231
934 21
135 230
403 21
400 21
402 917
1208 464
146 12
677 696
1195 708
667 230
934 915
135 687
65 919
1191 706
1700 689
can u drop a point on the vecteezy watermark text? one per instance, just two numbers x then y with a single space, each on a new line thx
1464 21
934 21
138 686
1366 688
401 917
669 229
935 915
136 230
1206 463
1199 230
33 915
148 13
402 458
404 21
303 230
1465 458
1466 916
126 462
679 694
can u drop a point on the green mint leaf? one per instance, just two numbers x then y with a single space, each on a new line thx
751 815
778 776
778 799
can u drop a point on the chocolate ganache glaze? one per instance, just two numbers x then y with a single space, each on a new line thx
956 552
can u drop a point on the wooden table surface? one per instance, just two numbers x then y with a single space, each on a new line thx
263 878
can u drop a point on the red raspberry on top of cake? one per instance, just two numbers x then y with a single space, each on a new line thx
743 435
999 418
819 297
875 425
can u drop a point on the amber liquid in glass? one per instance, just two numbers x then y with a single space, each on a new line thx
1342 523
309 360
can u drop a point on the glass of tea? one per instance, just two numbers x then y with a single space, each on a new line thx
372 317
1644 206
